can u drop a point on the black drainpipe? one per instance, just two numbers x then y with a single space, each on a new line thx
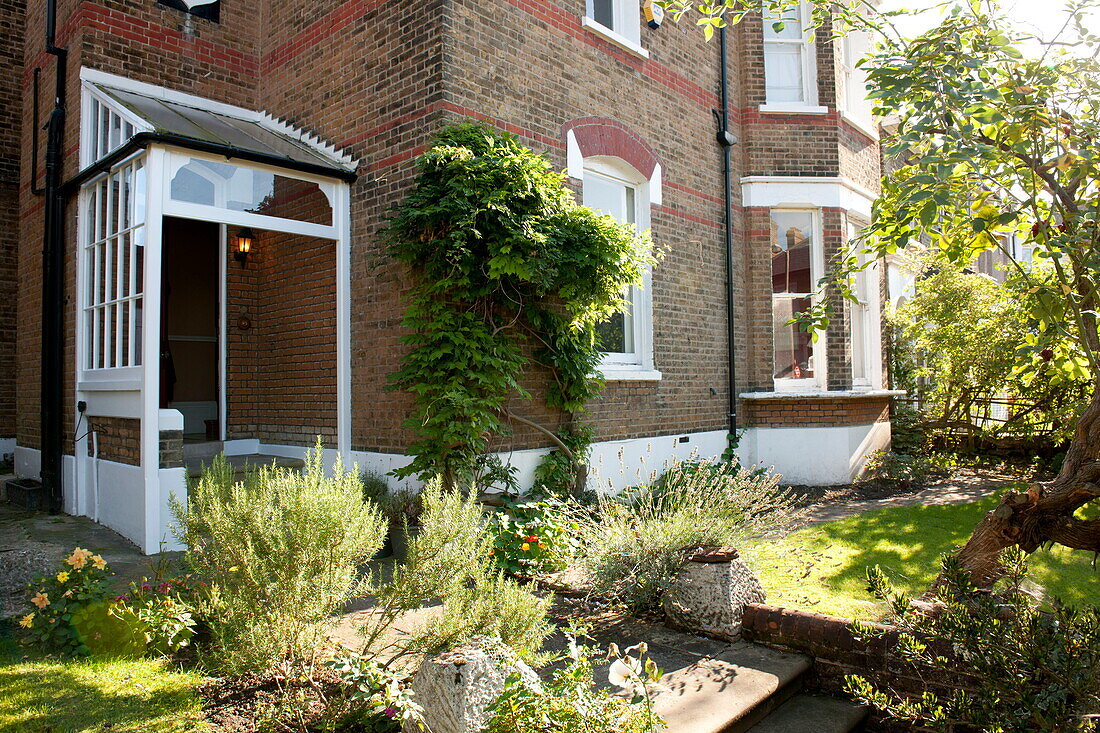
726 140
53 278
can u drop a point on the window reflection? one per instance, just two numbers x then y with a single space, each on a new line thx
239 188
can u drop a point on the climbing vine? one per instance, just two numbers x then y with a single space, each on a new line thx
510 271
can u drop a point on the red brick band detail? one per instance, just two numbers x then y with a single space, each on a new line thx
602 136
814 412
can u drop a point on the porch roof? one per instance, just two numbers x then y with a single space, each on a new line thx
236 132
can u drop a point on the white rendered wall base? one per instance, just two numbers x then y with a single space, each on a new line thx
615 464
814 456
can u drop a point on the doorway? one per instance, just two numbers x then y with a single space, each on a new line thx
190 349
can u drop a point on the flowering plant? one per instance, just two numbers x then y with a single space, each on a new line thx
530 537
160 614
64 601
388 705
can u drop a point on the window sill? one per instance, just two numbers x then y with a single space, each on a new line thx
617 39
866 127
790 108
629 373
821 394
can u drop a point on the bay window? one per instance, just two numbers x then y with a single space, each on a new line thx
796 264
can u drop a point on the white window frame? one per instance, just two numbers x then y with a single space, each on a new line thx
808 56
867 315
853 103
626 26
817 267
636 365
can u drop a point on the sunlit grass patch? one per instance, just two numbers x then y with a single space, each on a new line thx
823 568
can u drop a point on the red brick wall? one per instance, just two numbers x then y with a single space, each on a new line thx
377 79
814 412
119 439
12 14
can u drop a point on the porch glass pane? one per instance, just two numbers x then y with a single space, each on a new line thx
239 188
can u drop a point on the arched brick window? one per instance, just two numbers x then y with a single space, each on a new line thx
620 176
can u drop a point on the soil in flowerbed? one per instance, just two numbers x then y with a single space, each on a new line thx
278 701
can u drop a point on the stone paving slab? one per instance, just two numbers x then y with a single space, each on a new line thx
36 543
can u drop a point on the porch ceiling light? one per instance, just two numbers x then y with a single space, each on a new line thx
245 238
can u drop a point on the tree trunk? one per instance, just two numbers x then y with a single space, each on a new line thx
1045 512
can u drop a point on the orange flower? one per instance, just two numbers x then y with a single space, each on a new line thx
98 562
41 600
79 558
27 621
526 547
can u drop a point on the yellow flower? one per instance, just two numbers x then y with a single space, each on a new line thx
41 600
27 621
98 562
79 558
62 577
526 546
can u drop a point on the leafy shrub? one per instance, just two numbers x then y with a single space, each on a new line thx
70 609
1031 666
995 352
160 614
631 544
399 506
570 701
384 702
907 471
530 537
279 551
450 560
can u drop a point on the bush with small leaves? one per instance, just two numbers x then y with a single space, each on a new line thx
631 544
1033 666
279 551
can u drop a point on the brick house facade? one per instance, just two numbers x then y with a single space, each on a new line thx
297 339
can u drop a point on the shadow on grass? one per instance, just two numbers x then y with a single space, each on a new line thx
93 695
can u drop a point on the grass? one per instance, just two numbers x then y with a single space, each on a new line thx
823 568
142 696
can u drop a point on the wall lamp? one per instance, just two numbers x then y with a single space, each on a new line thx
245 238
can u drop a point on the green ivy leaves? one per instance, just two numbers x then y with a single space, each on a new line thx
511 271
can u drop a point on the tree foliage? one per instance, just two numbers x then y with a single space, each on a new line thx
962 364
504 258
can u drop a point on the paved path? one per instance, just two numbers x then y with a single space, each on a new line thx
960 488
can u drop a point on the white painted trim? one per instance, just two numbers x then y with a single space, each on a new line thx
776 192
824 395
792 108
125 379
617 39
150 420
126 403
341 210
223 328
574 159
626 373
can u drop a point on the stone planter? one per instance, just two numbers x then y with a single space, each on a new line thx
25 493
456 687
710 593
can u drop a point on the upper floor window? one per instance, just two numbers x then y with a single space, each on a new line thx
208 9
621 18
796 264
612 187
790 64
852 97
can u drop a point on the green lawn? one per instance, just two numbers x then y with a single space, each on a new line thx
141 696
823 568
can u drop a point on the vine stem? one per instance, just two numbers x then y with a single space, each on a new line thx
564 448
